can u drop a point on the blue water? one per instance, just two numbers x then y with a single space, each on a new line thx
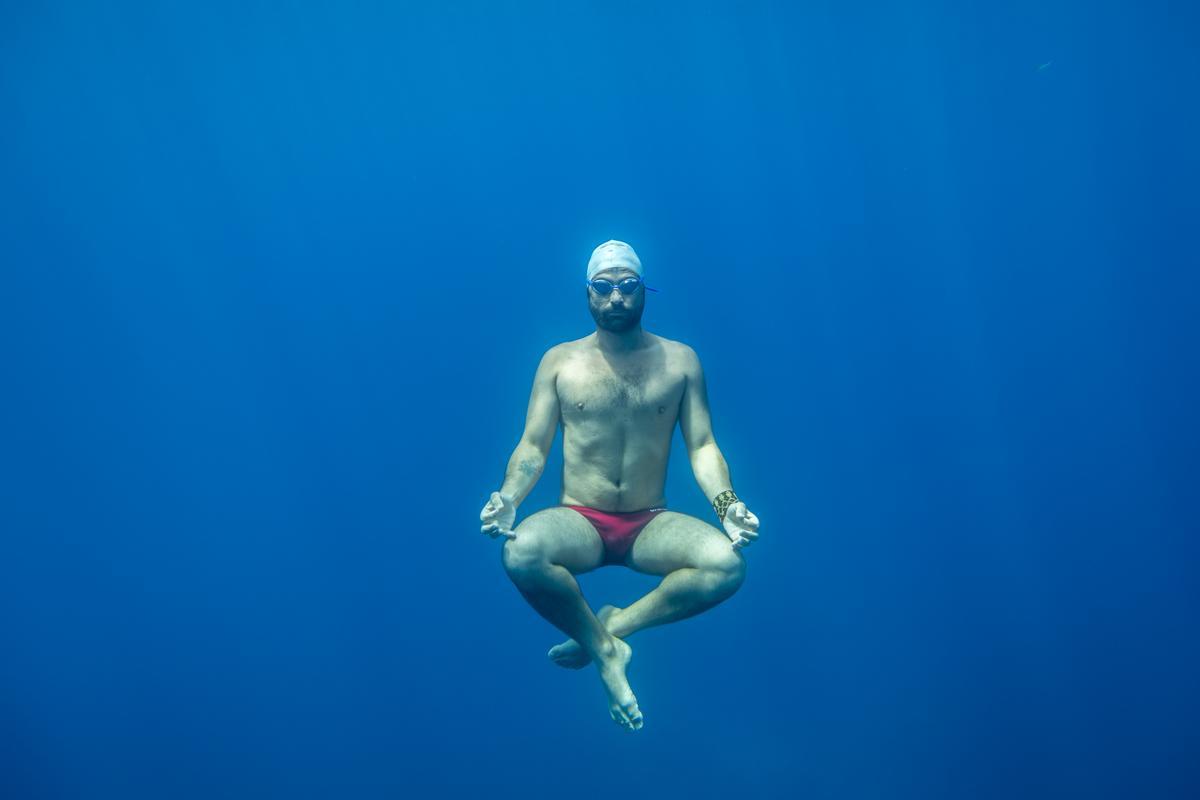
275 283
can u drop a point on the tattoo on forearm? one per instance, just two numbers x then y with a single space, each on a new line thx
528 467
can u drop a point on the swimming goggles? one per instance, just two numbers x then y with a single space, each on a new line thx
627 286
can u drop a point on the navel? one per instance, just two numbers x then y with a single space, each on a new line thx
579 406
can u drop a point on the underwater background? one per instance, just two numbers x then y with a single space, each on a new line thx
276 278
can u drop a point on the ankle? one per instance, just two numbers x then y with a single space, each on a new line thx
614 624
606 648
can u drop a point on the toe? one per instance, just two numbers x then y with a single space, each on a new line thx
633 714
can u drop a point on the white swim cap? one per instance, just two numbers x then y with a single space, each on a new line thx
613 254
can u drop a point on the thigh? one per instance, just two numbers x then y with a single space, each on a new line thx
673 540
561 535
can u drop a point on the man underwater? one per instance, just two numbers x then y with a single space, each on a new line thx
618 393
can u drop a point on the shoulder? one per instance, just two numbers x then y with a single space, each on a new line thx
571 349
564 350
680 355
556 355
551 358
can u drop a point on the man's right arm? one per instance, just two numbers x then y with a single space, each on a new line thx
541 421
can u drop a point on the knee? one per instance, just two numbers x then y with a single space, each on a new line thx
523 557
726 568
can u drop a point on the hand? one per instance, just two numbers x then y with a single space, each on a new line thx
498 516
740 525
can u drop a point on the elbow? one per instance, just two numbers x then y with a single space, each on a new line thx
703 447
532 450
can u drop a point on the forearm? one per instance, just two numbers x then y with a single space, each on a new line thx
710 469
524 468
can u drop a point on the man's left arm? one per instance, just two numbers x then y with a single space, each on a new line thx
708 464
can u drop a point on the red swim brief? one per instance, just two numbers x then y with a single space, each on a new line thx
618 529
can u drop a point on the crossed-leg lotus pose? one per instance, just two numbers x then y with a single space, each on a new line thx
618 394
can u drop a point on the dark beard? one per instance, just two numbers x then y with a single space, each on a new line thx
629 321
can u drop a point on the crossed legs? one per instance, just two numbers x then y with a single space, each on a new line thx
700 569
699 566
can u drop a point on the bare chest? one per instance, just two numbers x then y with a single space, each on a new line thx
594 388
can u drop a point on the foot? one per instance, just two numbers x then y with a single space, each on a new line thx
570 654
622 705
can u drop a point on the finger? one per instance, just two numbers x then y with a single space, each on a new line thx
749 534
509 534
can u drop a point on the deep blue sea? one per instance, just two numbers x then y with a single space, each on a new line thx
276 279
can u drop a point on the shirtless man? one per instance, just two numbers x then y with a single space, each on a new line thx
618 393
